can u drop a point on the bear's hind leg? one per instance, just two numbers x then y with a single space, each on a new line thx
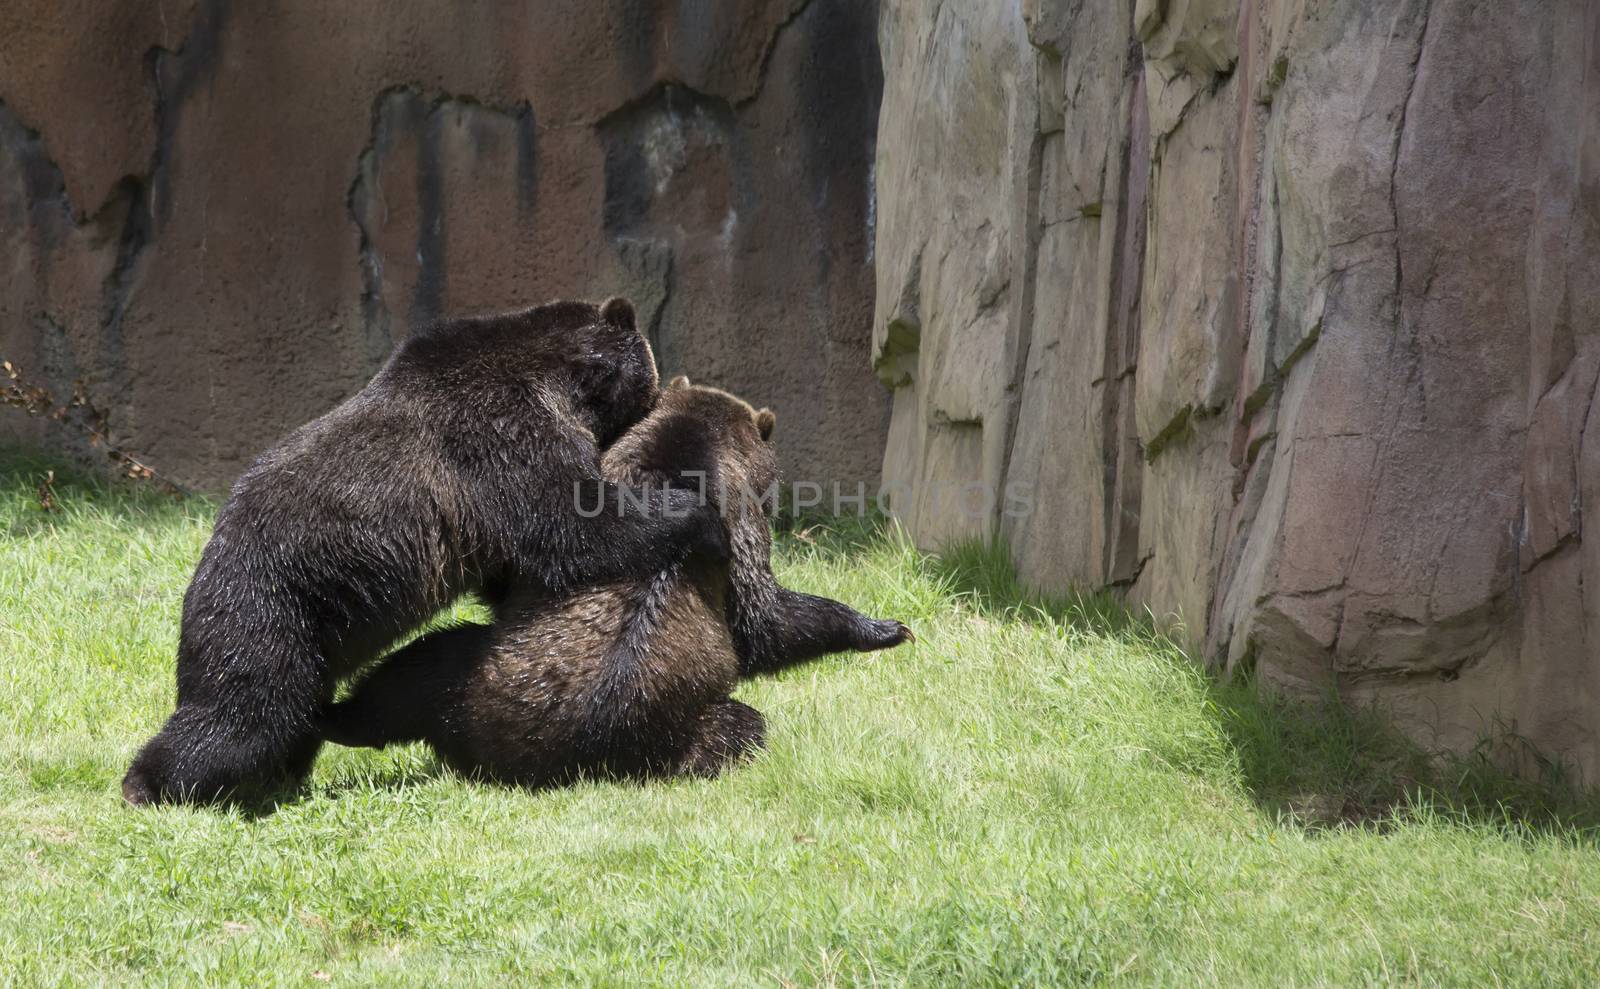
408 697
207 753
792 628
245 725
728 732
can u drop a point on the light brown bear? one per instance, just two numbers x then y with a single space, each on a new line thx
632 678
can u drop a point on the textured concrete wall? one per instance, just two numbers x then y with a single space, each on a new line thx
221 215
1287 313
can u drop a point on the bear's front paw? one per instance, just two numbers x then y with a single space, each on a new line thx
702 520
885 633
714 540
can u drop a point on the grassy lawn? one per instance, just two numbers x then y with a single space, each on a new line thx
1035 794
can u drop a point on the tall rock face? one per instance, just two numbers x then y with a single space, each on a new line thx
222 215
1283 318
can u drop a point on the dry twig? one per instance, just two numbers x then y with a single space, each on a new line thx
81 416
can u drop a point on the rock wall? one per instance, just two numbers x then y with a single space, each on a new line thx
221 215
1284 316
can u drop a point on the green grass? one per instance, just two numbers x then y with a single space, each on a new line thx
1038 793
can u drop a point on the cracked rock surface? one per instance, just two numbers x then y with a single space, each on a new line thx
1284 317
222 215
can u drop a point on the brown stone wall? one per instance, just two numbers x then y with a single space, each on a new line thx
1287 316
221 215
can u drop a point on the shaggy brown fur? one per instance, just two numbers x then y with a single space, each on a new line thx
452 471
631 679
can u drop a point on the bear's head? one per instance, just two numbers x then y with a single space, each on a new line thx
698 434
614 378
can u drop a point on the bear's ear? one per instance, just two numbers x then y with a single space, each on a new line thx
619 313
681 381
766 419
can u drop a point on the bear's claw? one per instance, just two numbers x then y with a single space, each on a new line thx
888 633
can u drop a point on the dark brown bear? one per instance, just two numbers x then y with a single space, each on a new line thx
452 471
632 679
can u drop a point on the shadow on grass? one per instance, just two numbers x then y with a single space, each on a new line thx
1317 763
403 777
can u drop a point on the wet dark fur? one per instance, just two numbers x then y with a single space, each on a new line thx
452 471
632 679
